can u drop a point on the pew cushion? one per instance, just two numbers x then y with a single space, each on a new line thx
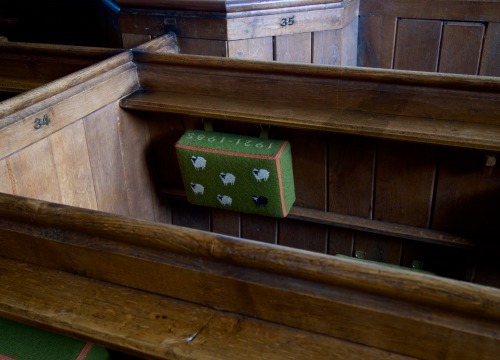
22 342
235 172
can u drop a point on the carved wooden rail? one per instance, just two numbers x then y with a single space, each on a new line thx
363 303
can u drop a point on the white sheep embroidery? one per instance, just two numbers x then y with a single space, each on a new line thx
225 200
198 162
227 178
198 189
260 174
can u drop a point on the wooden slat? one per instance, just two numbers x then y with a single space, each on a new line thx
309 151
481 136
417 45
255 49
153 326
37 182
383 228
225 222
202 47
376 41
336 47
71 157
5 181
110 68
101 130
306 19
404 183
295 48
354 223
259 228
447 316
461 48
378 248
63 108
490 61
134 140
467 196
432 96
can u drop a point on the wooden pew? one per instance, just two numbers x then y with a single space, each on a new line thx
386 163
25 66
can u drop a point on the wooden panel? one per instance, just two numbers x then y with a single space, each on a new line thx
376 41
440 260
467 197
340 241
226 222
351 175
101 130
202 47
309 159
417 45
151 326
190 216
257 279
95 86
255 49
134 141
259 228
487 269
132 40
305 20
490 60
37 182
474 10
378 248
293 48
72 162
302 235
336 47
461 48
5 181
404 183
350 182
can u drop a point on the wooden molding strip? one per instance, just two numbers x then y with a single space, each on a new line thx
324 294
361 224
153 326
414 129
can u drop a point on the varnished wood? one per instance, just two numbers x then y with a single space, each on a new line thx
382 300
25 66
153 326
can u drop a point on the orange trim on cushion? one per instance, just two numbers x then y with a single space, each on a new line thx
233 153
4 357
83 354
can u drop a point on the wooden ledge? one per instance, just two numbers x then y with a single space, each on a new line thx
406 128
154 326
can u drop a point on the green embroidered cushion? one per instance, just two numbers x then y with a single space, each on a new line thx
22 342
235 172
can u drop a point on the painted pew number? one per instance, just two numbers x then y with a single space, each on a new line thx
288 21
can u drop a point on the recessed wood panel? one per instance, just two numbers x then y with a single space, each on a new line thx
417 45
376 41
71 157
34 172
259 228
467 195
378 248
490 59
5 182
404 183
310 169
461 48
101 130
294 48
351 175
134 141
202 47
255 49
